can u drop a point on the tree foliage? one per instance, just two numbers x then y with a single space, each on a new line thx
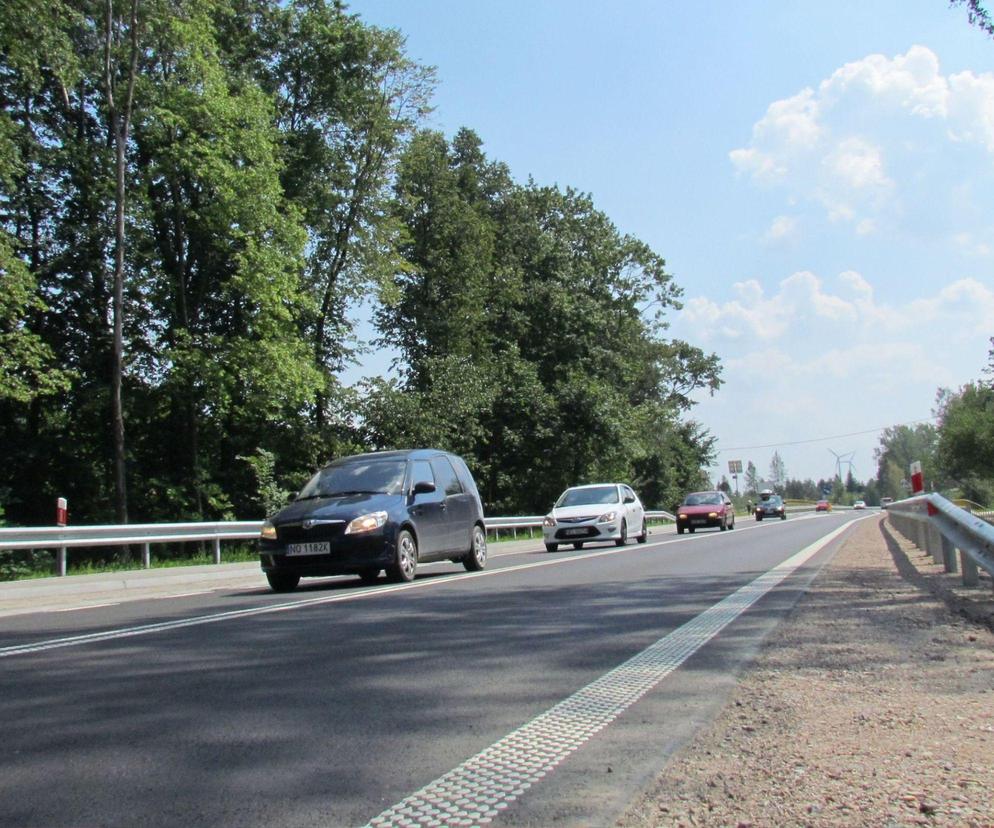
196 197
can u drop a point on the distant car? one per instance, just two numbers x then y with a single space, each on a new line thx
387 510
859 504
885 502
823 506
701 510
771 506
594 513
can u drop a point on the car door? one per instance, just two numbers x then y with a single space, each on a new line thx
427 511
634 513
459 511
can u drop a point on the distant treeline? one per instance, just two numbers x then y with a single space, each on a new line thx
196 197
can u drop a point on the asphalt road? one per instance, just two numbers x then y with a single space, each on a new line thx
546 690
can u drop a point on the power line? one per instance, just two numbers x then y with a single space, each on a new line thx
833 437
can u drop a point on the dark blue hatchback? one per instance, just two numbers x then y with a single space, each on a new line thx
369 512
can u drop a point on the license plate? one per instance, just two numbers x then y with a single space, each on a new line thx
698 520
319 548
573 532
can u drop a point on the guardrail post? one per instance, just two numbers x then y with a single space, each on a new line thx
217 550
146 556
60 561
934 543
949 555
970 575
922 540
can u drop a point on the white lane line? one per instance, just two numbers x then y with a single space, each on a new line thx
86 607
481 787
181 594
148 629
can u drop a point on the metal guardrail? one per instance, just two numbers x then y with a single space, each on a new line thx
941 528
63 538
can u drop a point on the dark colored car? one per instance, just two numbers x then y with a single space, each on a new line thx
771 506
701 510
388 510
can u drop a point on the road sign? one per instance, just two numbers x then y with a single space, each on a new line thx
735 467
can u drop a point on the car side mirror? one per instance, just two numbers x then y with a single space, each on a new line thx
424 487
629 499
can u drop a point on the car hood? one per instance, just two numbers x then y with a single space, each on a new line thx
593 510
329 508
770 506
700 509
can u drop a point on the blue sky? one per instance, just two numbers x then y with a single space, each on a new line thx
818 176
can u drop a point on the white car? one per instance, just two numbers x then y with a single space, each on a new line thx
593 513
859 504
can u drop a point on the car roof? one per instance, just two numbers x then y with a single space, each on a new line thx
595 485
400 454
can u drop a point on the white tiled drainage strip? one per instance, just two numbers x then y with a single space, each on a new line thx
484 785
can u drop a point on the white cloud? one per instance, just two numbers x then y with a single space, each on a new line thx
876 139
783 227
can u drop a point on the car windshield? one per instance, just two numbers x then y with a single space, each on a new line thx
361 477
702 499
594 495
773 500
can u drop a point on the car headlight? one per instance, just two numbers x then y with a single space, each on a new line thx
712 514
681 516
366 523
268 531
607 517
549 521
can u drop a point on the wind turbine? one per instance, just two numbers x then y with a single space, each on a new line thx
844 459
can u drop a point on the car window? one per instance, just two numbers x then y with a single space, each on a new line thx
421 473
629 492
702 499
359 477
594 495
445 476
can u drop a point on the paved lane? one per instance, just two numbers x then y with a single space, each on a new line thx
330 706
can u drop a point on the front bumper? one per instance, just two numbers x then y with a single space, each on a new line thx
698 522
586 531
347 554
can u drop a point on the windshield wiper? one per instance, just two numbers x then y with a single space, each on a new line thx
352 492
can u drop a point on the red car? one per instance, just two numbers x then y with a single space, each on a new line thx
823 506
701 510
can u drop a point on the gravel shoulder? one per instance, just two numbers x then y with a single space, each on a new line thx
871 704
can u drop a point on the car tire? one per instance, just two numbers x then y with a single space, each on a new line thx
282 581
578 545
369 576
476 559
552 547
624 534
724 525
759 517
679 530
405 562
690 529
783 516
732 524
645 533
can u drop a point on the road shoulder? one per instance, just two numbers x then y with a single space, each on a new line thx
871 704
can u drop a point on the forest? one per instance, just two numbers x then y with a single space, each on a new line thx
200 201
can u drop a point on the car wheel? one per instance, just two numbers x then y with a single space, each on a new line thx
679 530
732 524
645 533
690 529
578 545
624 534
724 525
282 581
405 562
759 517
783 516
369 576
551 547
476 558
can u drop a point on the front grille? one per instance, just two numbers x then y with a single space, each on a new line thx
296 533
575 519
